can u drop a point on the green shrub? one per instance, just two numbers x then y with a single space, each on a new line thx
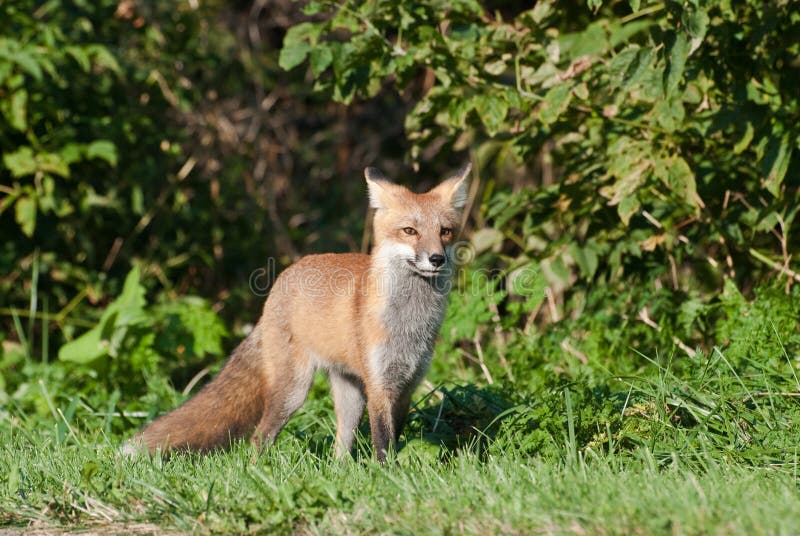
655 139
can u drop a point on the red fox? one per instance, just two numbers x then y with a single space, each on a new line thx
370 321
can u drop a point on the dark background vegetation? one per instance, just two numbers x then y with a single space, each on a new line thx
634 199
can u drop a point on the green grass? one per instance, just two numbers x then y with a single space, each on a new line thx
72 476
290 489
616 443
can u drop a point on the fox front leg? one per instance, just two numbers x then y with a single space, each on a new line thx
348 403
387 415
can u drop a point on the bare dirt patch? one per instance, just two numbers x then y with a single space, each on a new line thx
110 529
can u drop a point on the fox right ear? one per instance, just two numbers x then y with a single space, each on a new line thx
454 190
378 186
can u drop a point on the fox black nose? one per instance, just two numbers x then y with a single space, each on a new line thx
436 259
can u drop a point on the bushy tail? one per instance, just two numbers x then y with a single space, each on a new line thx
227 408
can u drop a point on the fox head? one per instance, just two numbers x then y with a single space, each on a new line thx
416 231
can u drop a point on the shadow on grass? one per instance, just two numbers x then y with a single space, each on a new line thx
457 416
448 419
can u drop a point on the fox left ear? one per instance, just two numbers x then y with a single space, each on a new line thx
454 189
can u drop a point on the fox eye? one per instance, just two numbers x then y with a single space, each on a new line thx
446 232
409 230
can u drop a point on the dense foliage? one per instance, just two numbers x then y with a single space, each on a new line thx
655 137
168 138
628 295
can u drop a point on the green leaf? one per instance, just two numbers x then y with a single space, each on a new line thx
630 163
25 214
72 152
669 114
21 162
619 34
776 163
192 322
85 349
591 41
301 33
629 66
458 110
296 45
320 59
634 5
555 102
744 142
486 238
540 12
695 20
496 67
529 281
15 110
581 91
103 58
312 8
129 306
621 63
80 56
492 110
52 163
126 310
586 259
293 55
627 208
681 180
103 149
639 67
10 198
677 52
556 271
27 62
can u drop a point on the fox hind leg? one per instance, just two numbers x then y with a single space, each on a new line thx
285 397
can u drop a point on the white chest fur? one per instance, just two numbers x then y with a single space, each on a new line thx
412 315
